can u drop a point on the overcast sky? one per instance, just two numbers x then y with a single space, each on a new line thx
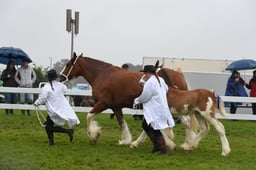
121 31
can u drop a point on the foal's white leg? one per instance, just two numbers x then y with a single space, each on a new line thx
167 140
190 128
139 140
221 130
203 130
126 137
93 130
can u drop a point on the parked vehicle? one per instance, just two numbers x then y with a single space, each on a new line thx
78 99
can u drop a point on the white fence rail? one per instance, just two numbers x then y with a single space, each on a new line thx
238 115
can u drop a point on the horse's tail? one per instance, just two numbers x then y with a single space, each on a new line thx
221 106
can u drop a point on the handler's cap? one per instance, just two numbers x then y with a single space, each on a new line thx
149 68
51 75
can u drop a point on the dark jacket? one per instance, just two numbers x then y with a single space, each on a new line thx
235 89
9 81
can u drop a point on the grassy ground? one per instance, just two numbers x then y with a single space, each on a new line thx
24 146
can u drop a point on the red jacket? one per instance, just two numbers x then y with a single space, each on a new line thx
252 86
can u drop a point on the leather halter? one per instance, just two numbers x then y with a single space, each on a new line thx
69 71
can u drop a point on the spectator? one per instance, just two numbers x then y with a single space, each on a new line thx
8 78
252 87
58 108
235 87
25 77
155 107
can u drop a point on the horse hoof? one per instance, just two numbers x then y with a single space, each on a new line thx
188 151
133 145
225 153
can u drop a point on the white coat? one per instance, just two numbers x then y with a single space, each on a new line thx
57 105
155 106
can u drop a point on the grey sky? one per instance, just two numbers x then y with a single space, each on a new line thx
119 31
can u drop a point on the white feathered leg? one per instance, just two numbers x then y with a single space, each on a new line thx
167 140
93 130
139 140
126 137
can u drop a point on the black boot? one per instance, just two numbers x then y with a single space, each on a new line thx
112 116
28 112
50 136
6 111
11 111
59 129
22 112
151 134
161 145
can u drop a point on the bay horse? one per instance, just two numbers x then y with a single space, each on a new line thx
201 102
112 87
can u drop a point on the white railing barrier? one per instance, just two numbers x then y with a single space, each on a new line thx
237 116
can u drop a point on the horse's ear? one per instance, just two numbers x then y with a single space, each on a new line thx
157 64
74 55
161 66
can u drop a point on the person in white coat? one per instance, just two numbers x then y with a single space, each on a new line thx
58 108
155 107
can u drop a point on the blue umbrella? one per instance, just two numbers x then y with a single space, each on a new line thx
243 64
15 55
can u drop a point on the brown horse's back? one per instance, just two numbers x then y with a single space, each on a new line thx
176 77
119 89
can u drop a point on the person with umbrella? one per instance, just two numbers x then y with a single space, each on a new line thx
25 77
8 78
235 87
252 87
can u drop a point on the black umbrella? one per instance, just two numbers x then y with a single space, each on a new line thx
15 55
243 64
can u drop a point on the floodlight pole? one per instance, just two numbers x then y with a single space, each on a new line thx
72 39
70 25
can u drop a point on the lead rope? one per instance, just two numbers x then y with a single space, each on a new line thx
38 114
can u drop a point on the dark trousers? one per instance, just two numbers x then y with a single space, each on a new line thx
50 128
155 137
233 108
254 108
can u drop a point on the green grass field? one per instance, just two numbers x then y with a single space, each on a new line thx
24 146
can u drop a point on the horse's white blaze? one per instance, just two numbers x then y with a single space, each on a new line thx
93 130
126 137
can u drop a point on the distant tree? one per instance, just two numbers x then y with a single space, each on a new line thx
40 73
60 65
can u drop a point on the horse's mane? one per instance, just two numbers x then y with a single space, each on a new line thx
98 62
164 74
166 77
